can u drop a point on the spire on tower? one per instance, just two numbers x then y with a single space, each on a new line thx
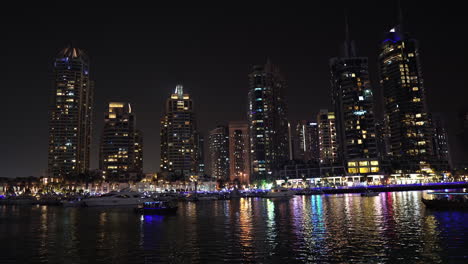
348 46
179 90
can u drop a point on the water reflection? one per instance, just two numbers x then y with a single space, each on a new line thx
391 227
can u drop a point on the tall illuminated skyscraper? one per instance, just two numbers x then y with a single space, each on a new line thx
218 143
178 139
121 151
407 121
70 114
268 125
354 106
239 152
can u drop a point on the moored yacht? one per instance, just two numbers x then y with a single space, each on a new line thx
122 198
447 200
279 192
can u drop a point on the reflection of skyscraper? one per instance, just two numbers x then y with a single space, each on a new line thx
121 152
239 154
328 143
70 114
178 147
406 115
267 122
218 142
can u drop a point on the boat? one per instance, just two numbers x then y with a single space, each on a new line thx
157 207
49 199
447 200
20 200
369 193
279 192
122 198
76 201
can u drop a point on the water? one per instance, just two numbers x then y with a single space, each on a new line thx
390 228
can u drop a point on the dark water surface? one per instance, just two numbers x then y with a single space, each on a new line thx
390 228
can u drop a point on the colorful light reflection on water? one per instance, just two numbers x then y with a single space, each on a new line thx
389 228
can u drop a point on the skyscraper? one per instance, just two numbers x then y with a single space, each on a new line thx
307 137
408 127
218 143
70 114
178 146
268 125
354 105
121 151
239 152
200 149
328 143
440 139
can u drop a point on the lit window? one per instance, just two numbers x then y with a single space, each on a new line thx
363 163
374 163
351 164
363 170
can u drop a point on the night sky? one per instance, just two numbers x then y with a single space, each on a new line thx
139 53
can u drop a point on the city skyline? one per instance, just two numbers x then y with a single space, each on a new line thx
142 93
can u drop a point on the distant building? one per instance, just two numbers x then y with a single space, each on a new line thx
307 141
268 125
328 142
440 139
354 108
200 157
218 143
178 142
70 114
409 131
121 151
239 152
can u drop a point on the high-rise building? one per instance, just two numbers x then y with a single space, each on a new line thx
354 106
407 122
328 143
268 125
440 139
200 157
218 142
307 141
178 142
121 151
70 114
239 152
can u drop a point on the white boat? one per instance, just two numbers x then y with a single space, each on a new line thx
122 198
279 192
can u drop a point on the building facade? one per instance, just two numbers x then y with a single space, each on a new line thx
70 114
268 126
328 138
218 143
239 152
407 121
121 150
178 142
